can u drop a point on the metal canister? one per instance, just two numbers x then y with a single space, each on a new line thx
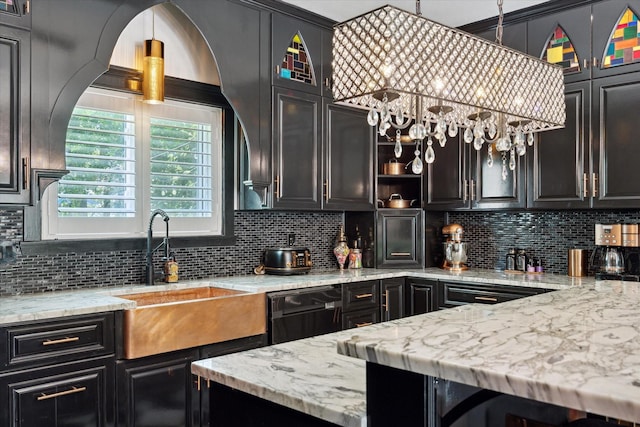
511 259
521 260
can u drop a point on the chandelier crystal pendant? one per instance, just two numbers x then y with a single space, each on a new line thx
411 72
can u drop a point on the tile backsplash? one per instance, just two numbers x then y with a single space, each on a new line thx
547 235
255 230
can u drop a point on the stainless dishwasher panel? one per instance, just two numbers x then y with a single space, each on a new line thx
304 313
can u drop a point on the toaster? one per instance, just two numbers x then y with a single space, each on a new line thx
287 261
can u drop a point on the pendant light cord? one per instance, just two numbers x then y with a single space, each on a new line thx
500 19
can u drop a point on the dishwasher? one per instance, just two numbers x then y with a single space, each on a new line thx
304 313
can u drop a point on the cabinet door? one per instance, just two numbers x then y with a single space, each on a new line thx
606 17
615 141
16 12
327 57
77 394
575 25
400 238
513 36
487 188
300 43
421 296
296 140
447 178
14 116
559 162
158 391
391 299
349 153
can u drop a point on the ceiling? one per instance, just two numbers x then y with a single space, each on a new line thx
453 13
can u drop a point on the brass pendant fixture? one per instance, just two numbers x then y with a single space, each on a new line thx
153 70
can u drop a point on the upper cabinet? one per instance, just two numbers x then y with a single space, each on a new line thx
15 12
564 38
14 114
616 37
300 52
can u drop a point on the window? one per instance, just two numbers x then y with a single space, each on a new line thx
126 158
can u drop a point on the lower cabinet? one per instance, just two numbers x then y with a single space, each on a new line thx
360 304
453 294
70 394
392 305
159 391
421 296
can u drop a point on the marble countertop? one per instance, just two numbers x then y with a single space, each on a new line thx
48 305
307 375
579 347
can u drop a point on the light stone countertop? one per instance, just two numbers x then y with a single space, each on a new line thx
49 305
578 347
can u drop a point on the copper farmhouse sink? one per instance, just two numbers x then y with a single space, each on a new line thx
176 319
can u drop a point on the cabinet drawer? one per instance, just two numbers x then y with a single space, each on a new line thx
358 319
72 338
458 294
358 296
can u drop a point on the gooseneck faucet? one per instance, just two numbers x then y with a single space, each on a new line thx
151 249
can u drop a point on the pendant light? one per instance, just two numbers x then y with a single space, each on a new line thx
153 69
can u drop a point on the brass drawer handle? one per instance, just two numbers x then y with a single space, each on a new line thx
360 325
364 296
492 299
400 253
72 390
61 341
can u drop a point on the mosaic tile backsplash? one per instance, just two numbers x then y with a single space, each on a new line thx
546 235
255 230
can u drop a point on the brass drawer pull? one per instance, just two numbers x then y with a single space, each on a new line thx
492 299
72 390
400 253
60 341
364 296
360 325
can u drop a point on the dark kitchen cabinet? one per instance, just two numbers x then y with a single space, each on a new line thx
360 304
421 296
399 238
58 372
14 115
300 42
72 394
348 159
453 294
297 136
392 299
614 145
160 390
558 170
460 178
16 13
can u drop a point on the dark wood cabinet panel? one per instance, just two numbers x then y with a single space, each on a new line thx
488 189
576 24
392 299
76 394
358 319
446 179
453 294
559 162
14 115
421 296
614 145
349 159
158 391
17 13
513 36
296 149
400 238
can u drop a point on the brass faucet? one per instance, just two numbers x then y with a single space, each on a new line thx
150 250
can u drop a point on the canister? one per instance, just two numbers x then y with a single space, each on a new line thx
577 263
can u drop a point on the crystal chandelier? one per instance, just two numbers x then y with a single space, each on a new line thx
411 72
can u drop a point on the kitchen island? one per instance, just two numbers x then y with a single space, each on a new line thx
576 348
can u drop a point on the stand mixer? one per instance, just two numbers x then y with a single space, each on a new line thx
455 250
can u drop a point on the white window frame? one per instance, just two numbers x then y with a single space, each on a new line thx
77 228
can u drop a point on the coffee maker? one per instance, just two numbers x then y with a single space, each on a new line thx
617 253
455 250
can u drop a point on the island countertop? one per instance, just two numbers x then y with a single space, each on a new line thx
578 348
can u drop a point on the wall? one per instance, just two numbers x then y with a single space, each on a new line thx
255 230
547 235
